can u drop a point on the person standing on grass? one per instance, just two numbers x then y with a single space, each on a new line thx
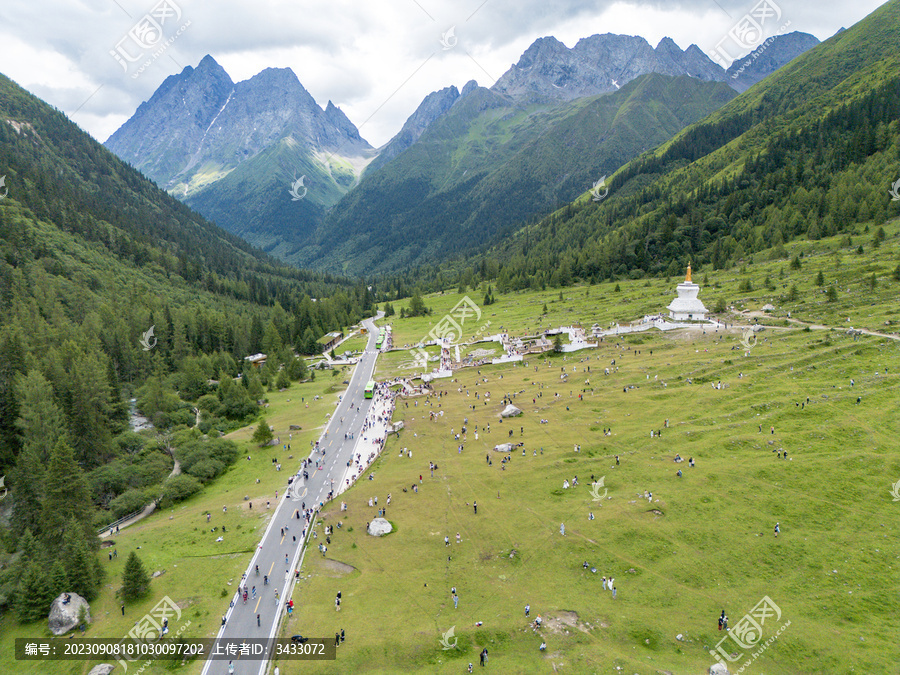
527 610
475 506
777 529
484 656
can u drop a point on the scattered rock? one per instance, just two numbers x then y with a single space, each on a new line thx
379 527
679 637
718 669
102 669
295 427
158 573
64 618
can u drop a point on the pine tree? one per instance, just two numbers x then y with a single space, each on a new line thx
58 579
820 279
28 545
34 594
135 580
80 564
41 422
557 344
832 294
28 480
263 433
90 409
12 363
66 497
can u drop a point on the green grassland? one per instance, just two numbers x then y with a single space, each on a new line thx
704 544
521 313
706 541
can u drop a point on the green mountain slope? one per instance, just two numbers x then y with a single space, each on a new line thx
254 201
810 151
488 164
92 255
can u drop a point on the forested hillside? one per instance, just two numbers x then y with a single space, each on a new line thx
92 256
489 163
811 151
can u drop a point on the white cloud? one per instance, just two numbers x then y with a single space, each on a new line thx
376 60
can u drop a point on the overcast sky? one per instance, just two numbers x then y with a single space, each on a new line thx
375 59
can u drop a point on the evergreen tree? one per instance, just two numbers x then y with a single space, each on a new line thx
12 364
28 480
59 580
820 279
283 381
263 433
80 564
135 580
28 546
254 388
67 497
41 423
832 294
35 594
417 305
557 344
89 411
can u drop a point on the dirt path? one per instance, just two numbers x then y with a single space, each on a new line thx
816 326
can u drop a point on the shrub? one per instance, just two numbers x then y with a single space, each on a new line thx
178 488
128 502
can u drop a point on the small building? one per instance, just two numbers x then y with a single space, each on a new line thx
330 340
687 306
258 360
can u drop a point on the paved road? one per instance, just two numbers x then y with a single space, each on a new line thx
277 556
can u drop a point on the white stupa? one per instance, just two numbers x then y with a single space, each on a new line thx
687 306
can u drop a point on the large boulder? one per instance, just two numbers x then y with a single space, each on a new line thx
380 527
102 669
64 617
510 411
718 669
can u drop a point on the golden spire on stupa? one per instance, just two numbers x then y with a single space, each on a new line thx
687 277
